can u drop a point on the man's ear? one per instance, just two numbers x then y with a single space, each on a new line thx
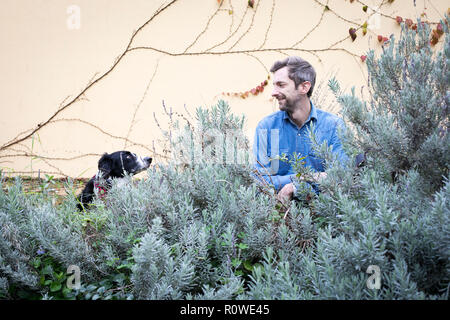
304 87
105 165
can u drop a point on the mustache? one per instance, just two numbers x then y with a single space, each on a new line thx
280 96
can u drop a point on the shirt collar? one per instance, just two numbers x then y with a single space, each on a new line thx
312 114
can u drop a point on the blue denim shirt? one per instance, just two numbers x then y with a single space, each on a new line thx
277 134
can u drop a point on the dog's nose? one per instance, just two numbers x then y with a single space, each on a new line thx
148 160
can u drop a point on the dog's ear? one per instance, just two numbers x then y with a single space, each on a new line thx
360 160
105 165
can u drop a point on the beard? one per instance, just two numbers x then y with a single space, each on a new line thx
286 104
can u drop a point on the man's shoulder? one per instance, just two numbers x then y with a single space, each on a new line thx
271 119
328 118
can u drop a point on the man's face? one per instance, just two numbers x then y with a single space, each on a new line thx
284 90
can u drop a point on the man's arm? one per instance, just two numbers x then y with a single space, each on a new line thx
264 172
337 144
265 152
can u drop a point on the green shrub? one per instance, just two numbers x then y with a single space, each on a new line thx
199 227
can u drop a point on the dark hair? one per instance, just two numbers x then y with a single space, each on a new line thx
299 71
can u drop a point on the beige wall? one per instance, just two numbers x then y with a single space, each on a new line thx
45 64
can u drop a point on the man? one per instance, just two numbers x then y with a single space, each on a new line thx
287 131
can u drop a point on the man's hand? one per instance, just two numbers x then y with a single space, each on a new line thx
319 176
286 193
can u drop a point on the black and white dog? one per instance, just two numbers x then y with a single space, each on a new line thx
111 166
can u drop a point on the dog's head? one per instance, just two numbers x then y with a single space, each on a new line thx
120 163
